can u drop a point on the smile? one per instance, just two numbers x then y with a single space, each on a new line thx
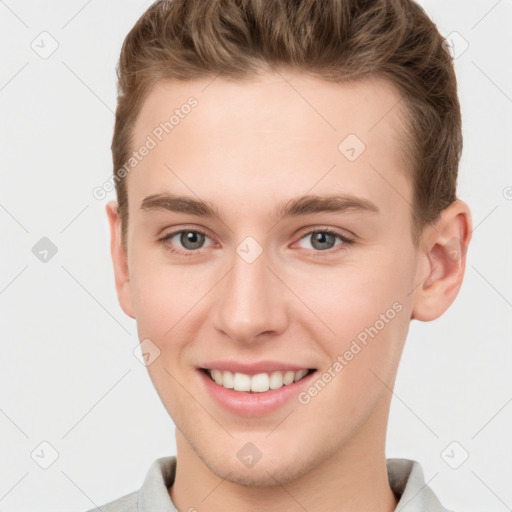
258 383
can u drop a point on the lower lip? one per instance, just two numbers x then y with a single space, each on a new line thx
253 404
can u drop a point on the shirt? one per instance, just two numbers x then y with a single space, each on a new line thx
405 479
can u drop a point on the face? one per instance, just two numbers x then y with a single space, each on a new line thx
269 240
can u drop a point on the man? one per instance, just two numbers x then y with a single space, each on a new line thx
286 182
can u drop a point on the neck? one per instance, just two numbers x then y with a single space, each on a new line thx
353 478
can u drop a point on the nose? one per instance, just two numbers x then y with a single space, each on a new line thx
252 302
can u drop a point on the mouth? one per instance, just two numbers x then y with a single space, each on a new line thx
254 389
257 383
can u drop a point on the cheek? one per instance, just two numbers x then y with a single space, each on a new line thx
364 310
162 293
353 296
165 300
171 305
153 301
369 321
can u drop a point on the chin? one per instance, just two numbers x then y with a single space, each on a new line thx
265 475
270 471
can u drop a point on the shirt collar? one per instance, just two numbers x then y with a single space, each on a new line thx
405 478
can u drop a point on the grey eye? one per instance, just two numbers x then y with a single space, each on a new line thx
322 240
188 239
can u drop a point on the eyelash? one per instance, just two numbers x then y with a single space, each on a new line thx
317 253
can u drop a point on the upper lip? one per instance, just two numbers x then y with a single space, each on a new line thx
253 368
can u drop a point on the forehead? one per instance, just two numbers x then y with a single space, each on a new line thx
279 131
275 101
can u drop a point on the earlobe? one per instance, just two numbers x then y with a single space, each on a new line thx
442 262
119 260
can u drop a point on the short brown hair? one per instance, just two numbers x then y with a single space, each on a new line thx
335 40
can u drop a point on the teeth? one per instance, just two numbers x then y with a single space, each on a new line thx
288 378
241 382
299 375
276 380
217 376
227 379
258 383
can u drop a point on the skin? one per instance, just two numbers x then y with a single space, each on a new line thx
245 148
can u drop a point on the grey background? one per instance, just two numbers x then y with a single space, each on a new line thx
69 376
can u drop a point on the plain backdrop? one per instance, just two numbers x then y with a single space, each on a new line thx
69 377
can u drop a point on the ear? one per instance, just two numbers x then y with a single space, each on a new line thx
442 262
120 260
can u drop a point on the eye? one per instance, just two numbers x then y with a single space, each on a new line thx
190 239
186 242
324 240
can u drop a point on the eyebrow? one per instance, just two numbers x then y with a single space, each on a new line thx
298 206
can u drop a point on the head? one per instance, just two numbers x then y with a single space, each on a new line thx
317 145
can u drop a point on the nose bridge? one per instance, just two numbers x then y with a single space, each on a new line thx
250 303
